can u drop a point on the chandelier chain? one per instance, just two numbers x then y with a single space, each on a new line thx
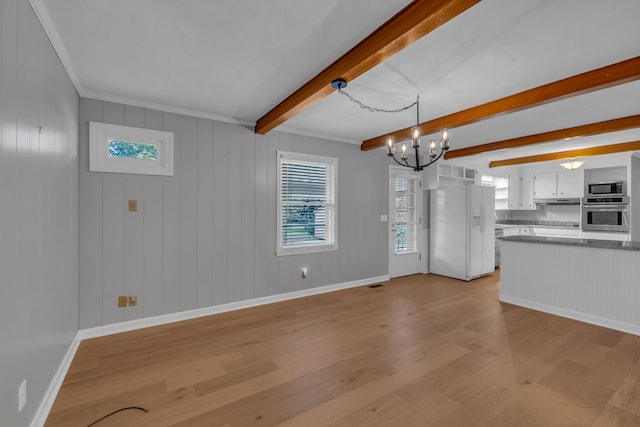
415 139
374 109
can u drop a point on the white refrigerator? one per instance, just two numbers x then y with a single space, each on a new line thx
462 235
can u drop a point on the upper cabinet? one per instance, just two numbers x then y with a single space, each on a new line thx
521 192
545 185
570 184
558 184
444 174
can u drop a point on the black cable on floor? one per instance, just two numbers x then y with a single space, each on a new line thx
116 411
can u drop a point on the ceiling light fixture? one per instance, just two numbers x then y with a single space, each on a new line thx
572 164
340 84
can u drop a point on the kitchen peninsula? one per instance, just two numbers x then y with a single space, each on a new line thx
594 281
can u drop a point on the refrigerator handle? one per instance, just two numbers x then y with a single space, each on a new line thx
484 219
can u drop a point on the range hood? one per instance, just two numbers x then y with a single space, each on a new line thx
558 201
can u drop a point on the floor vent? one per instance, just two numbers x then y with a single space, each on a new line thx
376 286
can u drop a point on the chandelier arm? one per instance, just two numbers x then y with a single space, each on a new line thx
434 160
396 160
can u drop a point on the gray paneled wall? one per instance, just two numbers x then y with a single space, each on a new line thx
207 235
38 211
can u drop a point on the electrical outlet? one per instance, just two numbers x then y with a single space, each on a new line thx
22 395
122 301
304 272
133 300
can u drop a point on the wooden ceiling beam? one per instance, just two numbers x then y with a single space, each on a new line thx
570 154
591 129
413 22
590 81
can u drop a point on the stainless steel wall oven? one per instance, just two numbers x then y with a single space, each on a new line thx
605 213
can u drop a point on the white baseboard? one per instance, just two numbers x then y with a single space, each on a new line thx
575 315
132 325
52 391
54 386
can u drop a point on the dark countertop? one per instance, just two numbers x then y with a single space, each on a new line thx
518 222
567 241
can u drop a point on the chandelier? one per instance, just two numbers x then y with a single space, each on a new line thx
434 156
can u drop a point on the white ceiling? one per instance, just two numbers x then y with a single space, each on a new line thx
235 60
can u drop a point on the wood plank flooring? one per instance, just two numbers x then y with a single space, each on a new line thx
419 351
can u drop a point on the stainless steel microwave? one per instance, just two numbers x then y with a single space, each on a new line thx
607 188
603 216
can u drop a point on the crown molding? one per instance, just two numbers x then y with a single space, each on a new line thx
42 13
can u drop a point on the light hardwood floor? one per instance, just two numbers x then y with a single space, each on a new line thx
419 351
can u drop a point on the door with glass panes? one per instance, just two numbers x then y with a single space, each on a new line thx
405 217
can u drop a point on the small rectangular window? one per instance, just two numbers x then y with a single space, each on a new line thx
306 203
133 150
124 149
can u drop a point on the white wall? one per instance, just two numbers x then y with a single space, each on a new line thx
207 235
38 211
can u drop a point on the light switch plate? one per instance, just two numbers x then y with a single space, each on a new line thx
133 205
122 301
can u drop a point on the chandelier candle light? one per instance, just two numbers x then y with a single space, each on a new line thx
415 138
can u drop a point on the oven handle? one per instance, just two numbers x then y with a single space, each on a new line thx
607 207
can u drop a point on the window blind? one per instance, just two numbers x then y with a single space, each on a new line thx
307 201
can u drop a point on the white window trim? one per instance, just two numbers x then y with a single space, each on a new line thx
100 161
282 251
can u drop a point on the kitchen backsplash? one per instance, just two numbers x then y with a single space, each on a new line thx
563 213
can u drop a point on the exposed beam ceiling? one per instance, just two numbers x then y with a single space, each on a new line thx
556 135
601 78
409 25
570 154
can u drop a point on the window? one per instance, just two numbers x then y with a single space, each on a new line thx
123 149
132 150
406 222
306 203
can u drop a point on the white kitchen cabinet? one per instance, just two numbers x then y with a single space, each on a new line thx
527 192
570 184
521 192
552 185
545 185
444 174
515 192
